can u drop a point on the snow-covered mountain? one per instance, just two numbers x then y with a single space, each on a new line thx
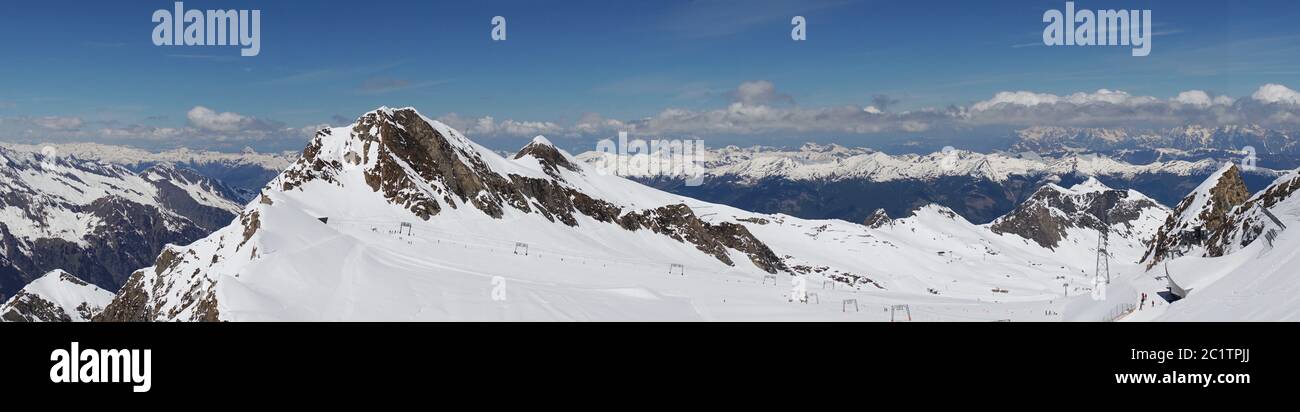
399 217
98 220
55 297
1055 213
851 184
1044 139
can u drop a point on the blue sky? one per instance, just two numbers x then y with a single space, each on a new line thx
88 71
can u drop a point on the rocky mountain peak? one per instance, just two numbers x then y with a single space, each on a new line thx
878 219
550 158
1202 215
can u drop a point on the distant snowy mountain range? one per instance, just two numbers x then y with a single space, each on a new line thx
832 181
1187 138
244 172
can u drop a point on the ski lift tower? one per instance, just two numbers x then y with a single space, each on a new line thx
1103 242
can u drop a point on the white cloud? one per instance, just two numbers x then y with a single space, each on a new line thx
208 119
1200 98
1110 108
1030 99
489 126
759 92
204 128
1194 98
1276 93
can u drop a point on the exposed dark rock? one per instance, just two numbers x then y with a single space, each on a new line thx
30 308
131 303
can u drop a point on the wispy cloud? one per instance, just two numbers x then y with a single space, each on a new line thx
380 85
720 18
329 74
659 85
105 44
205 57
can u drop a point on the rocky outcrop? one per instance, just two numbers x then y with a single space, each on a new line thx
1201 221
551 159
1247 222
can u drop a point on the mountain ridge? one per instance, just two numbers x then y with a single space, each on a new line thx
374 218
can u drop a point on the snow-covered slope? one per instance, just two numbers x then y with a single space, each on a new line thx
98 220
56 297
398 217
